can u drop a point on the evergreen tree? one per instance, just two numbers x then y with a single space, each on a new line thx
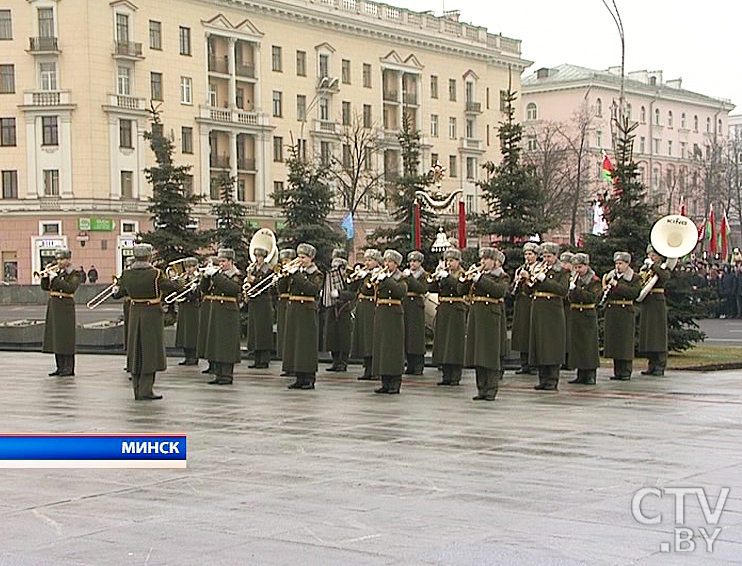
400 200
231 226
306 202
170 207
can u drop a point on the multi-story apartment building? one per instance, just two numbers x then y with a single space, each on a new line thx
677 136
236 83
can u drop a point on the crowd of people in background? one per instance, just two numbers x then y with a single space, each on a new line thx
91 276
723 283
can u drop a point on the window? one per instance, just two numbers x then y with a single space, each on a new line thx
276 63
10 184
125 133
367 156
213 99
628 111
433 86
49 131
503 100
531 111
471 168
347 159
155 80
656 146
452 128
669 147
184 34
123 80
324 109
7 79
7 132
155 35
683 150
345 113
695 123
469 204
487 97
452 166
301 147
6 25
452 90
669 118
643 115
656 116
301 63
324 65
241 190
433 159
531 144
186 137
48 72
469 91
277 193
46 22
642 144
708 125
719 126
239 97
367 75
122 28
187 187
598 139
277 104
301 107
366 115
186 90
682 120
51 228
470 129
325 152
345 72
434 125
51 182
598 107
277 148
488 134
127 180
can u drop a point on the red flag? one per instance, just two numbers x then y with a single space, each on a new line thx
682 205
416 227
725 230
607 167
462 225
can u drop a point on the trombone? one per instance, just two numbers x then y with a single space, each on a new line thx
470 273
190 285
279 271
46 272
104 295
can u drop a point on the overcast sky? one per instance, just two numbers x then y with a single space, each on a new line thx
698 41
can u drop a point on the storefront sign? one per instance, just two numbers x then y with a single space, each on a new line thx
95 224
53 244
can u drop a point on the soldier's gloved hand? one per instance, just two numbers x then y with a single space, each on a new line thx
115 290
477 276
406 272
292 270
381 276
442 274
648 262
334 294
572 286
541 276
52 275
210 270
193 287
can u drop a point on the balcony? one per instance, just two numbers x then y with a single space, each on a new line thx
472 145
391 96
219 161
473 107
219 65
43 45
46 98
410 98
246 164
232 116
128 50
247 71
325 127
126 102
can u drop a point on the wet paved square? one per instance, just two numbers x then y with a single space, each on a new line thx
342 476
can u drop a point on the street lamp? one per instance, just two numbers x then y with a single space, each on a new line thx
619 25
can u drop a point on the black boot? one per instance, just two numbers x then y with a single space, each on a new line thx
342 361
446 379
335 362
367 369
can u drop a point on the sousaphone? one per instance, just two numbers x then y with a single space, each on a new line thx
266 239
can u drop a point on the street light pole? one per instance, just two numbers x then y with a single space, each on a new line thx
619 26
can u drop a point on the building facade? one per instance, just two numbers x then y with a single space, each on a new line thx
678 136
236 84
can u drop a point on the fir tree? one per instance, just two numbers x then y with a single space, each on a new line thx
170 207
400 200
231 226
306 203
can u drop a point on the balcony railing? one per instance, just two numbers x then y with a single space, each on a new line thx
469 143
219 65
126 102
474 107
325 126
391 96
128 49
409 97
246 164
233 116
245 71
43 44
219 161
46 98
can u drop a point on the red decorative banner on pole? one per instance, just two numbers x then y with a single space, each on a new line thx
416 227
462 225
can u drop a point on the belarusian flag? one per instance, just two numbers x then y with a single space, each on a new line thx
724 232
711 231
607 167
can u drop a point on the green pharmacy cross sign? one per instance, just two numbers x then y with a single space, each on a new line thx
95 224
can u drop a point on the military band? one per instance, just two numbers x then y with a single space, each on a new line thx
584 292
653 315
363 330
620 288
282 290
337 301
520 335
413 306
186 335
259 310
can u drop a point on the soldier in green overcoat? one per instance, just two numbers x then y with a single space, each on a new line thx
388 358
260 311
204 312
363 329
546 344
337 302
414 313
221 286
584 292
59 330
449 342
486 290
301 337
521 332
127 308
282 290
145 285
620 288
653 316
566 260
186 335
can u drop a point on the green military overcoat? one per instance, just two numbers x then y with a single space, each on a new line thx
521 332
338 323
583 322
145 352
223 333
546 345
449 342
618 335
301 336
389 326
282 289
363 330
260 314
414 312
59 330
186 334
653 315
483 334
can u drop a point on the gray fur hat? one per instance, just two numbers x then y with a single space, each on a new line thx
549 248
500 257
287 253
487 253
452 253
372 253
62 253
622 256
306 249
226 253
567 256
339 263
530 247
260 252
339 252
393 255
190 262
581 259
415 255
142 251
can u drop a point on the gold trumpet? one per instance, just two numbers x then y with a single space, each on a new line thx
359 272
375 277
46 272
104 295
540 267
438 269
470 273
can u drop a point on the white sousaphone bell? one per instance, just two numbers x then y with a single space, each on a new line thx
266 239
672 236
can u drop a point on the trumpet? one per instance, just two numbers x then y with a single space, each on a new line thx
46 272
609 282
537 269
521 269
104 295
376 276
252 291
359 272
470 273
438 269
